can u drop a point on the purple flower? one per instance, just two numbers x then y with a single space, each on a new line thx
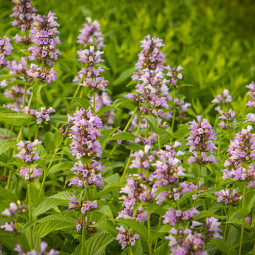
88 206
27 151
5 50
223 98
126 238
90 35
15 209
30 173
200 142
10 227
224 195
173 216
174 75
47 74
251 94
228 118
241 153
42 116
84 131
43 247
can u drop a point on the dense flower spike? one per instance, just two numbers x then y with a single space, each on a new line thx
200 142
47 74
42 251
24 15
84 132
5 50
27 151
42 115
88 206
126 238
90 35
241 153
227 197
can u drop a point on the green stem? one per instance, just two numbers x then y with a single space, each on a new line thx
46 172
149 231
83 238
199 174
159 147
30 211
130 251
159 223
124 130
129 158
94 102
242 230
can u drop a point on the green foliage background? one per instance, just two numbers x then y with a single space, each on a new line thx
212 40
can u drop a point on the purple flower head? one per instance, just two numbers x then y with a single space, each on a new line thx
223 98
84 131
10 227
228 118
142 158
173 216
200 142
174 75
251 94
5 50
126 238
28 151
43 251
23 14
241 153
88 206
224 195
30 173
42 116
87 172
43 34
15 209
90 35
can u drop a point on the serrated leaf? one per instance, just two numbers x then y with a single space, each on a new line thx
37 91
106 210
106 133
123 136
16 119
107 226
96 244
61 167
5 146
110 187
137 226
85 103
52 223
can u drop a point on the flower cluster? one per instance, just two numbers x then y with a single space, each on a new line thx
87 173
228 197
226 115
24 15
15 209
28 151
200 142
5 50
90 35
42 115
174 74
33 252
84 132
84 207
126 238
251 94
172 216
30 173
241 153
9 227
43 34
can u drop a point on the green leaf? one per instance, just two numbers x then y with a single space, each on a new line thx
153 123
17 119
107 226
59 118
110 187
105 109
123 136
96 244
85 103
250 200
137 226
6 195
48 204
61 167
52 223
106 133
123 76
5 146
36 89
106 210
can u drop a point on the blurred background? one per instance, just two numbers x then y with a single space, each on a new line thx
213 40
